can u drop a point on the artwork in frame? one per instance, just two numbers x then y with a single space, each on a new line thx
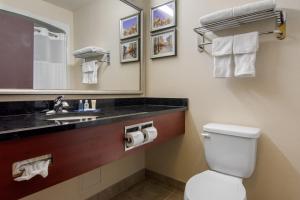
130 51
130 26
163 44
163 16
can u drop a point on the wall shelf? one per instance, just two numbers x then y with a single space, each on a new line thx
234 22
94 55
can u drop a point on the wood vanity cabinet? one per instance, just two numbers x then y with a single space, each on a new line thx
76 151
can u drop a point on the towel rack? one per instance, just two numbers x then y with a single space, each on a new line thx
95 56
234 22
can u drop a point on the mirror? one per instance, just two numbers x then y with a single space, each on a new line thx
71 47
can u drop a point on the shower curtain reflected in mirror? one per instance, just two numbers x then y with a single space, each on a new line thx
50 60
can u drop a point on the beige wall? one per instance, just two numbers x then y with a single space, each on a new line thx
270 101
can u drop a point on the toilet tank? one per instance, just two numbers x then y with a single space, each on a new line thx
231 149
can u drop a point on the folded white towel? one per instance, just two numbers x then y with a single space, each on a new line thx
245 65
254 7
223 66
90 72
222 52
87 66
89 49
216 16
238 11
245 47
222 46
246 43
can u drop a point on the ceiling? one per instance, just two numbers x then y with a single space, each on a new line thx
69 4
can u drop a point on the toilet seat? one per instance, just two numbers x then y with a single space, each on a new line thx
210 185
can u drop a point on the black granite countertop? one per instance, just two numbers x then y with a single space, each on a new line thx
23 119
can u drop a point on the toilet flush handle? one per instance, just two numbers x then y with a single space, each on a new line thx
206 135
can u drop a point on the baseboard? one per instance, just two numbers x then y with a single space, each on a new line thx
165 179
120 187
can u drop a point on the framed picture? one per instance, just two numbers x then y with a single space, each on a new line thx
130 50
163 16
130 26
163 44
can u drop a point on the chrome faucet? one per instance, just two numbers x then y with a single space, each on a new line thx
60 106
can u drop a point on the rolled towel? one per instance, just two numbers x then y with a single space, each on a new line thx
222 52
254 7
89 49
245 47
216 16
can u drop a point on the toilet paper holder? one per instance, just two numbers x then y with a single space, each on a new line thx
136 127
17 172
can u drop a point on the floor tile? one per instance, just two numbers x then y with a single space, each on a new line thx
150 189
177 195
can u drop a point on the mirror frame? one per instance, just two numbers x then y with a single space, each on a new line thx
142 81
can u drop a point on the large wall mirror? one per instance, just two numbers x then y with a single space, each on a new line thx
71 47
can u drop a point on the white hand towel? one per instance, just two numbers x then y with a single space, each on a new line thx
90 72
222 52
216 16
245 47
254 7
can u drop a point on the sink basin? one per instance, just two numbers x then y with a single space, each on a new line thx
69 117
74 118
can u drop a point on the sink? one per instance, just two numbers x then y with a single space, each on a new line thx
74 118
69 117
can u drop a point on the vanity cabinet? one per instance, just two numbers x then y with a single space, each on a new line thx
76 151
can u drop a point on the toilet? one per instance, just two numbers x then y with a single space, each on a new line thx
230 152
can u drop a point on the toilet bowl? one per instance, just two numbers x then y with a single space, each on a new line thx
210 185
230 152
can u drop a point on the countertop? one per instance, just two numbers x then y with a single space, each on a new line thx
19 123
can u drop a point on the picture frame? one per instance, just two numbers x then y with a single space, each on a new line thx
164 44
130 50
130 26
163 16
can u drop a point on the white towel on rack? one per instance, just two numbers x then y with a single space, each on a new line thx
90 72
89 49
254 7
216 16
222 52
245 47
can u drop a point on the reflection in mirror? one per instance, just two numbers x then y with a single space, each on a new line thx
90 45
49 59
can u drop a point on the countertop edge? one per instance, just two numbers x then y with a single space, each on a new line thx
28 132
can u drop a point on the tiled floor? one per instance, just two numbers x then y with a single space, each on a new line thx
151 189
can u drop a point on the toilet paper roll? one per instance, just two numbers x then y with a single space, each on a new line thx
150 133
135 138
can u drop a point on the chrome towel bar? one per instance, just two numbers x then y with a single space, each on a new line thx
234 22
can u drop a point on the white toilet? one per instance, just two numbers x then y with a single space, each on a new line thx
230 152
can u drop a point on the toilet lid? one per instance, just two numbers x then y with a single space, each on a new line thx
211 185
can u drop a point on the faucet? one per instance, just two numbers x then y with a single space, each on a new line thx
59 106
